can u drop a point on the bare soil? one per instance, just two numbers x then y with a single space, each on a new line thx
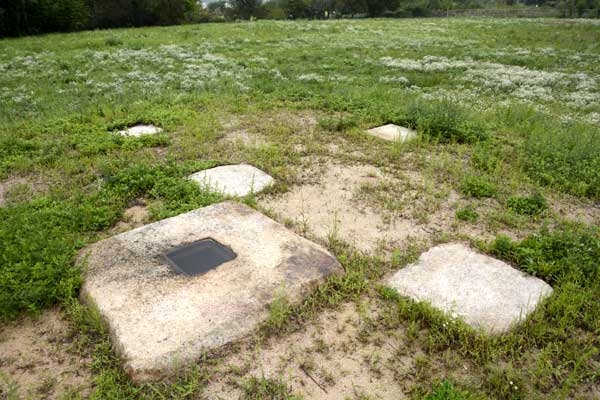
20 189
338 200
333 357
133 217
38 361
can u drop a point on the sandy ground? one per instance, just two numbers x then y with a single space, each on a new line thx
333 357
337 200
14 187
38 361
133 217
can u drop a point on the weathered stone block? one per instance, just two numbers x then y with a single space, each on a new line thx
159 319
487 293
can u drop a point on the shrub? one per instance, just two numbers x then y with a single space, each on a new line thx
564 157
338 124
467 214
532 205
477 186
445 121
570 249
485 157
112 41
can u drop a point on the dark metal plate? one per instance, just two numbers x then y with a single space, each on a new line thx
199 257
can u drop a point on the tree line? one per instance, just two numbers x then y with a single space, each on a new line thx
325 9
25 17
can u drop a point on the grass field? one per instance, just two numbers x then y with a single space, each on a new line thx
507 158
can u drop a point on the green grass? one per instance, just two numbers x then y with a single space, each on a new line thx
446 391
565 156
503 108
467 214
446 121
531 205
263 388
478 187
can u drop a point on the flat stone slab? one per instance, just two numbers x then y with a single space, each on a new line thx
139 130
487 293
233 180
393 132
160 320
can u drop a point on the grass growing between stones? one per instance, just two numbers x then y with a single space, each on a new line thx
507 158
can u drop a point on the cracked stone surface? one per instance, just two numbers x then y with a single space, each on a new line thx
160 320
139 130
485 292
233 180
393 132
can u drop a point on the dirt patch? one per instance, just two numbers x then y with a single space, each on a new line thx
261 129
368 208
329 208
17 189
37 362
576 209
133 217
334 357
244 137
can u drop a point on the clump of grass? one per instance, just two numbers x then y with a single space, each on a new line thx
478 186
505 383
446 391
570 250
446 122
112 41
529 205
279 312
164 183
467 214
485 157
266 388
8 389
337 124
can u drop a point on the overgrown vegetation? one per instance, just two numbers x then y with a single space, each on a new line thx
532 205
40 238
467 214
565 156
446 391
446 122
478 187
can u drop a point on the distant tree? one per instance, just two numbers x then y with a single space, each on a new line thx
351 7
273 10
377 8
245 9
321 8
447 5
217 7
296 8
